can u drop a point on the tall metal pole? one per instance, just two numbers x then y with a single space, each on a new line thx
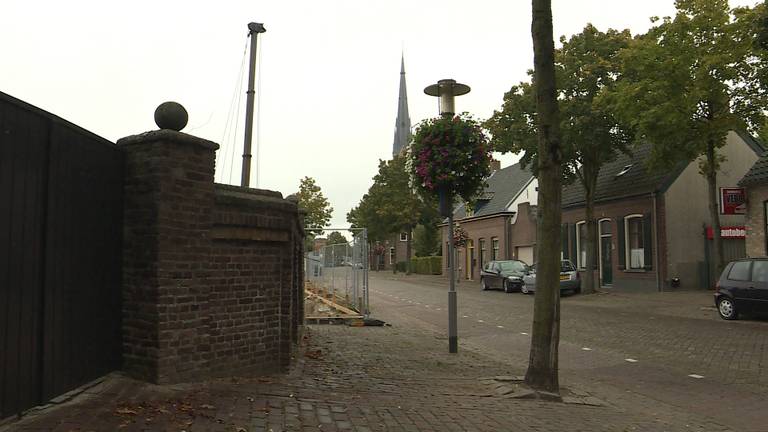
453 310
367 311
253 31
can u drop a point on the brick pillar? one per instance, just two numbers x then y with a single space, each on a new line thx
169 198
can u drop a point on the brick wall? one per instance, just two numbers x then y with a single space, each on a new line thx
211 278
756 243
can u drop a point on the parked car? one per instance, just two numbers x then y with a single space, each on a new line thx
569 279
506 275
743 287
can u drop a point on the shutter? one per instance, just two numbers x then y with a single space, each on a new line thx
564 240
622 250
574 251
648 241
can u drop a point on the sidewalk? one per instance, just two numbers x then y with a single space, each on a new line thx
350 379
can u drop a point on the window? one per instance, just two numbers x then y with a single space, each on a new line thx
635 235
581 244
760 271
605 228
391 255
403 236
739 271
482 252
494 248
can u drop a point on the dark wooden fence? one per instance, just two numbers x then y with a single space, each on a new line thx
60 256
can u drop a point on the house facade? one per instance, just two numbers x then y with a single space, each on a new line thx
755 183
652 226
501 226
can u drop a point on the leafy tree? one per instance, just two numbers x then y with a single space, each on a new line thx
586 66
318 209
426 239
336 238
688 82
542 373
312 201
390 206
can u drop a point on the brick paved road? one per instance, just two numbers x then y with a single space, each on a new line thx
671 336
401 378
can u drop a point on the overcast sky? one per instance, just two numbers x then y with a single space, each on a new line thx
329 70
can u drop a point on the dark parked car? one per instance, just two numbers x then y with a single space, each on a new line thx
506 275
743 287
569 279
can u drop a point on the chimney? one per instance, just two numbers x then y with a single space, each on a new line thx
495 165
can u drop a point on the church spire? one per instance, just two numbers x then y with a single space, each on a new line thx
403 122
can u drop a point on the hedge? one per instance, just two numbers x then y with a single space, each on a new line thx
432 265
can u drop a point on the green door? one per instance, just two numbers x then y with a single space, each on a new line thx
606 264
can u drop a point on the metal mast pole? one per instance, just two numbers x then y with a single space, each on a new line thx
253 31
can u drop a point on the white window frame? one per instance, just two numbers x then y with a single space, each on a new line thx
495 249
391 254
627 252
581 263
403 236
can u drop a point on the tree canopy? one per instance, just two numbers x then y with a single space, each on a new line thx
312 201
586 66
390 206
336 237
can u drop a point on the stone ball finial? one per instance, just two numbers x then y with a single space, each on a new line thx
171 115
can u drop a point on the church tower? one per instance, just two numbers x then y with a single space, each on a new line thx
403 122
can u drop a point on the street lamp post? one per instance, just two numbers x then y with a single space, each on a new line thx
446 90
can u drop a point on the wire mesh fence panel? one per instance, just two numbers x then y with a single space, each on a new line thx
339 271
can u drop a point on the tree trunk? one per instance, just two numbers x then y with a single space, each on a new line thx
542 371
714 208
591 240
408 251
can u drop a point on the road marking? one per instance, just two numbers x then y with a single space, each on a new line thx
696 376
630 360
524 333
500 326
438 309
586 349
480 321
465 316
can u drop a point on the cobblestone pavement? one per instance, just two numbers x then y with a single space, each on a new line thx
401 378
635 350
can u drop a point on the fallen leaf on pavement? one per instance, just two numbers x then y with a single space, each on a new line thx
125 411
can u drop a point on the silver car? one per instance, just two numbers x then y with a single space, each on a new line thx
569 279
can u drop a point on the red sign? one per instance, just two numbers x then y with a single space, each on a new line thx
729 232
733 201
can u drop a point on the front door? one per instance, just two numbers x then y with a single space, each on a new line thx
606 262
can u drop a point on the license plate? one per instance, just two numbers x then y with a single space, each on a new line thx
564 277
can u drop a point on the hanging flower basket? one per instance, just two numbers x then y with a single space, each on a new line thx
450 154
460 237
378 249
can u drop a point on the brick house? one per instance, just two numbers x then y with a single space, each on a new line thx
501 226
755 183
652 225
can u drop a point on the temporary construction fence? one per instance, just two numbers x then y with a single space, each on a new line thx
339 272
